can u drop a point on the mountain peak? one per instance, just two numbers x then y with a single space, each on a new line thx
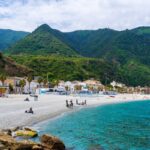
43 27
42 41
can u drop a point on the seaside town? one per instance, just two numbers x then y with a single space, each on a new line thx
36 85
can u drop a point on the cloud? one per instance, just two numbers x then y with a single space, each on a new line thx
69 15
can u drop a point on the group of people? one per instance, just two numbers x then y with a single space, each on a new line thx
35 98
70 104
30 111
81 103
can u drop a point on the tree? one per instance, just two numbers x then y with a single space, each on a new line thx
50 76
29 79
11 88
40 80
55 82
44 82
3 78
22 83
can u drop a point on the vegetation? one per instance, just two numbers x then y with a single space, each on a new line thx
22 83
40 80
9 37
29 79
66 68
110 44
135 74
2 78
11 88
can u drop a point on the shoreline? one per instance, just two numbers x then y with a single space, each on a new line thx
51 106
39 123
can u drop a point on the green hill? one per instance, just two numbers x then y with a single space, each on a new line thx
110 44
9 37
41 42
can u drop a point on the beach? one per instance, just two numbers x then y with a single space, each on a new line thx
12 109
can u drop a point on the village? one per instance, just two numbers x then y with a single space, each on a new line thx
36 85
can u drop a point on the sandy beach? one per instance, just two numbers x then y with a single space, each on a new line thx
12 109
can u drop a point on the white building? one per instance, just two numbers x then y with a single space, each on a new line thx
32 88
116 84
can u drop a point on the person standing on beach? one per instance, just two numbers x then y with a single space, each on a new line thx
77 101
71 103
67 104
35 97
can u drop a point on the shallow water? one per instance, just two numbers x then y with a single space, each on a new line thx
124 126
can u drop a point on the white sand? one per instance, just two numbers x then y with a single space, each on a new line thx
12 109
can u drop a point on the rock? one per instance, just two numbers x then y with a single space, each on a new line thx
2 146
7 131
10 143
52 142
28 129
7 142
16 129
37 147
22 147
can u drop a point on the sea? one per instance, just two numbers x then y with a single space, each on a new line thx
123 126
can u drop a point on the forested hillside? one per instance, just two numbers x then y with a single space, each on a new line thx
10 37
110 44
66 68
41 42
103 54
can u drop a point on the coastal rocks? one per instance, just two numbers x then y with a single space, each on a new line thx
7 131
11 131
48 142
9 143
53 142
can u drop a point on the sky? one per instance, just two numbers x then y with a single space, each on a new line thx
70 15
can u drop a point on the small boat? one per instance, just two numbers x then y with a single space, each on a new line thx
27 133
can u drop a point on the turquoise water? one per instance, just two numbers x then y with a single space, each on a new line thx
124 126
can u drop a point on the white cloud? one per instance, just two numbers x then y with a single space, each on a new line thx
68 15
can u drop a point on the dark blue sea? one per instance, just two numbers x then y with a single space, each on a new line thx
124 126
